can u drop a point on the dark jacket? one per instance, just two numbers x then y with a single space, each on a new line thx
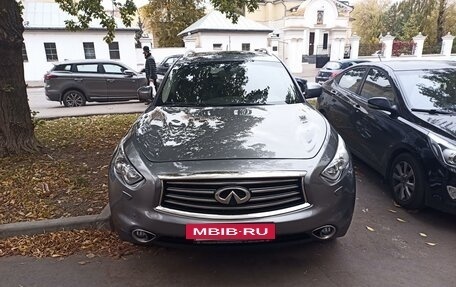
150 68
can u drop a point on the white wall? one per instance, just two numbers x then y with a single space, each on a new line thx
69 47
329 17
233 41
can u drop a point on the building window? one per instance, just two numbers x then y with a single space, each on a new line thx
274 48
89 50
51 52
325 41
114 52
24 53
320 14
245 46
217 46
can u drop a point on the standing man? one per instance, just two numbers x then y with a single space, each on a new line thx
150 67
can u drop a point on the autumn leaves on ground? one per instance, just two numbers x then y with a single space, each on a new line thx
69 178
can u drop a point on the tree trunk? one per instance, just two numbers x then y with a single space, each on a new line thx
441 20
16 127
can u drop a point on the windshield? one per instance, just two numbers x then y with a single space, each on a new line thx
429 89
332 66
229 83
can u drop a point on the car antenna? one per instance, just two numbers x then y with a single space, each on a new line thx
379 57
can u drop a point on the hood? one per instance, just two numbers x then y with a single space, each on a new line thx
262 132
442 124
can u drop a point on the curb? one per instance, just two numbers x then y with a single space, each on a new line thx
99 221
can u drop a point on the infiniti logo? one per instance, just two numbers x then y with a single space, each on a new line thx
232 195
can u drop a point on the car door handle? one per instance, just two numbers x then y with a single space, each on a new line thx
78 79
110 80
357 106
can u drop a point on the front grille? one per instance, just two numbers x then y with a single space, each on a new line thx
198 196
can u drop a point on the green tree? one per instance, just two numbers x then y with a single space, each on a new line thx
16 126
166 18
368 19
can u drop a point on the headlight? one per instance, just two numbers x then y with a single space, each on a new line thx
443 150
126 171
334 170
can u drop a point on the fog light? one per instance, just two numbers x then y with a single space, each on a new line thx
142 236
451 191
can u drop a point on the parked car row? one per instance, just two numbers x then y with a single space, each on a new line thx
400 118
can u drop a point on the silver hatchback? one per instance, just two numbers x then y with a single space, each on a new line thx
74 83
230 152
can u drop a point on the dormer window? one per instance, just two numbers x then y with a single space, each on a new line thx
320 14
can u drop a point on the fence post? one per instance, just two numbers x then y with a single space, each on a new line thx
388 44
447 44
354 49
419 44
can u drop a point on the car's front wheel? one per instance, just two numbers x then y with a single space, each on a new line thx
74 98
407 181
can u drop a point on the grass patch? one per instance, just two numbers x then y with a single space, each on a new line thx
69 178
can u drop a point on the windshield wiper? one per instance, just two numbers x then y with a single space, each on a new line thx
433 111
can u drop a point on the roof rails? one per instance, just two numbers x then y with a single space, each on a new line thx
189 53
262 50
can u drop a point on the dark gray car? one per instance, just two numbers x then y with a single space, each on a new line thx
74 83
230 152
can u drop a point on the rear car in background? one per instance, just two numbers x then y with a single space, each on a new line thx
74 83
230 152
333 68
164 66
400 118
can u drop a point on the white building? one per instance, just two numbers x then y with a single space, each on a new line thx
306 28
46 40
216 32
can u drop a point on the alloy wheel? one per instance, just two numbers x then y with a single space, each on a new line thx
404 181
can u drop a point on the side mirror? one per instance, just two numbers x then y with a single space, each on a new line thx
145 94
166 65
313 90
129 73
383 104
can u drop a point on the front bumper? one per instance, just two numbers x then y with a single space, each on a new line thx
140 209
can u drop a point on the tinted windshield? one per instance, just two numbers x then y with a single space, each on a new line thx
429 89
229 83
332 66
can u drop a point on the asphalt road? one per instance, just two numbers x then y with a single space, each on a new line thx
393 254
48 109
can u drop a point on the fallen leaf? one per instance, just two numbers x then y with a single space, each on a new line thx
431 243
423 234
370 228
400 220
395 204
82 262
90 255
391 210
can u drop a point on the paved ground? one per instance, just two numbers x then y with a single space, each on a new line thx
394 254
48 109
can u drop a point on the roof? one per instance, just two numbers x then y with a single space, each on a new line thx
48 15
414 65
89 61
216 21
223 56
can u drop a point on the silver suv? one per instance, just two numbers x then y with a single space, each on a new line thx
74 83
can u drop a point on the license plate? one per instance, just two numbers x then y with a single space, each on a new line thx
230 231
